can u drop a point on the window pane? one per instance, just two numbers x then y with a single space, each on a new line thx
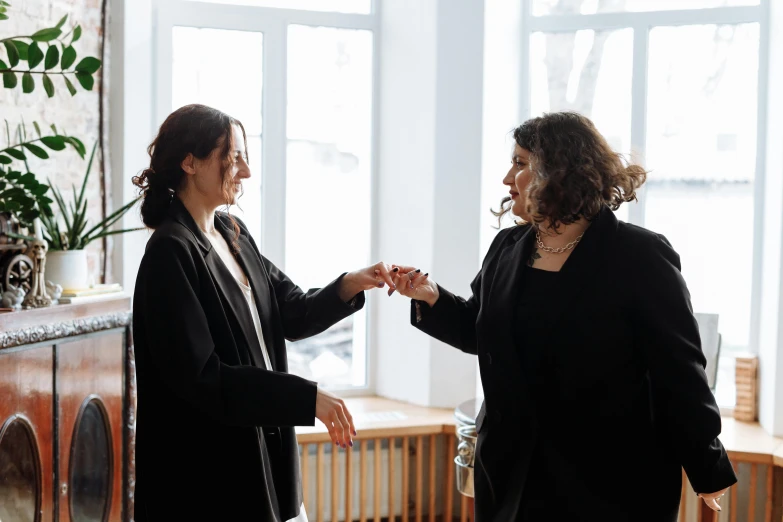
565 7
588 72
339 6
328 185
701 150
202 72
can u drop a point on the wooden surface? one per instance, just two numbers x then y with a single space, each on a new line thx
382 418
26 390
62 313
92 366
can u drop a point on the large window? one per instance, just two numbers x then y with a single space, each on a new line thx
674 85
301 81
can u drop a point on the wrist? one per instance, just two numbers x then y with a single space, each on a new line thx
349 286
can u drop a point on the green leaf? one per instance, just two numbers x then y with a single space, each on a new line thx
77 33
28 179
37 128
16 154
69 57
3 16
3 65
48 85
36 150
9 80
88 65
5 160
12 51
52 57
40 190
34 55
46 35
4 3
61 23
22 47
13 175
70 86
86 80
54 142
28 84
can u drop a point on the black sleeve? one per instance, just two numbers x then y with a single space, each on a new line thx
684 404
452 319
180 347
306 314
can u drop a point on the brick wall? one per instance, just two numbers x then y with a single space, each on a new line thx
77 115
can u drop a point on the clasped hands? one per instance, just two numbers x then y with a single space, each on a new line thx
406 280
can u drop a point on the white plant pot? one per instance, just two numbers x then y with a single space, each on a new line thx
67 268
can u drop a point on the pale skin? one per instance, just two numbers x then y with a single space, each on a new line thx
202 194
412 283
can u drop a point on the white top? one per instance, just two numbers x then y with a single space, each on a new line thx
251 304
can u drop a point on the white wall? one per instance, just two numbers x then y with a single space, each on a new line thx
429 179
130 122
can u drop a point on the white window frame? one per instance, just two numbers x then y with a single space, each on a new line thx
642 23
273 23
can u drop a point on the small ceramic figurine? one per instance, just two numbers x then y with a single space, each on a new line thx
37 298
13 297
54 290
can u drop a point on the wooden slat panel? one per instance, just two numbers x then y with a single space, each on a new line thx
319 501
405 478
754 468
770 492
335 482
463 509
419 478
363 482
683 497
377 482
305 473
432 478
349 484
392 479
449 488
733 508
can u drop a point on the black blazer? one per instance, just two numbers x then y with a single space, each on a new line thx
215 437
625 404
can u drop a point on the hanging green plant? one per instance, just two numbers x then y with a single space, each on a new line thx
46 54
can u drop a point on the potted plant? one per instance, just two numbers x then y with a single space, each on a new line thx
66 263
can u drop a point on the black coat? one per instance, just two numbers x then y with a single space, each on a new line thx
215 428
625 404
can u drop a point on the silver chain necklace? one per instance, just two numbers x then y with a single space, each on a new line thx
559 250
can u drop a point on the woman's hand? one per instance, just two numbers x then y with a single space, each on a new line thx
711 499
410 282
331 410
376 276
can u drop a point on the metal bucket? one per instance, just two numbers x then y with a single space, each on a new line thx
464 478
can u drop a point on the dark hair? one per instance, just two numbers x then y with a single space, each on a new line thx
574 170
192 129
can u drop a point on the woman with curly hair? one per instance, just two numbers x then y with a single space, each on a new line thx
595 392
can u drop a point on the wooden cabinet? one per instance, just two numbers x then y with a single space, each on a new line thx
66 414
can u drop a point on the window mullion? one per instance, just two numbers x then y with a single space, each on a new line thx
641 39
274 144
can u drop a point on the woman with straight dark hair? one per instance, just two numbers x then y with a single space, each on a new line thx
216 405
595 395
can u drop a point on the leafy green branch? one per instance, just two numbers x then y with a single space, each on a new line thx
20 192
52 52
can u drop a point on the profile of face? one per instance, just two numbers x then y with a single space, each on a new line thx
206 177
518 181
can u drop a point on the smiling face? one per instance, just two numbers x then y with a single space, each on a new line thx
518 181
217 178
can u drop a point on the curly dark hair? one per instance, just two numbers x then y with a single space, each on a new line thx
575 172
192 129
